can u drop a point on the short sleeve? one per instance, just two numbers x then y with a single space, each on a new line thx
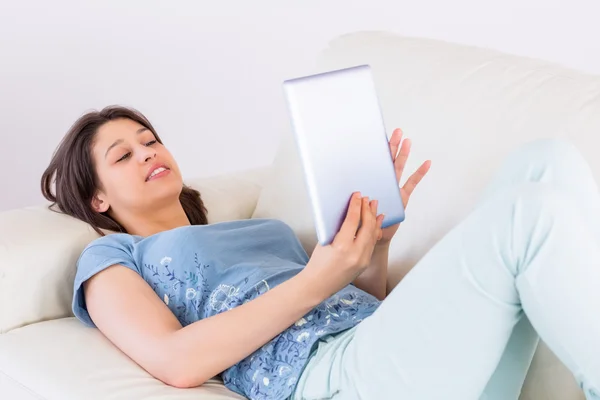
96 257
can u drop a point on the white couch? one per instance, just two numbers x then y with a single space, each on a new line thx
464 108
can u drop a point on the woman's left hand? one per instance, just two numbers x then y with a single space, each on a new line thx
399 158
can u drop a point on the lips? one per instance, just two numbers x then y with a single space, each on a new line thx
156 169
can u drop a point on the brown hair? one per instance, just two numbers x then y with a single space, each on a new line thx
73 171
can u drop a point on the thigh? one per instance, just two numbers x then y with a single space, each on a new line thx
557 162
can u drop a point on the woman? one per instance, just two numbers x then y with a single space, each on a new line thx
189 300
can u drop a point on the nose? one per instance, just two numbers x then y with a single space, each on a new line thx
146 154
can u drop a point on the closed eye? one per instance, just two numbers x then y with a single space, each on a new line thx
128 154
125 156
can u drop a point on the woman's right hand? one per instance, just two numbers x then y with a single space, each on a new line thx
334 266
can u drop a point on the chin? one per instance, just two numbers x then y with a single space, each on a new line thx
165 193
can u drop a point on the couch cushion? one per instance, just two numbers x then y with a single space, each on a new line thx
39 247
38 251
64 360
465 108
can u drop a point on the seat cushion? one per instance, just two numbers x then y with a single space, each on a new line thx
64 360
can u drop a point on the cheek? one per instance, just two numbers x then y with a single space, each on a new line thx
166 155
121 184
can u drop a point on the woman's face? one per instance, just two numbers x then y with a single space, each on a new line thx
136 172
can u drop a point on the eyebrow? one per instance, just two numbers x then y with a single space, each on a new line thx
119 141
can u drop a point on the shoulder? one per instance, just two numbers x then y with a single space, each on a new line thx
100 254
108 250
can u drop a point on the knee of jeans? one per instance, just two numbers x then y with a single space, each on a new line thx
540 196
549 151
536 209
553 146
540 199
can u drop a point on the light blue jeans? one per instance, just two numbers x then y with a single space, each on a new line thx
463 323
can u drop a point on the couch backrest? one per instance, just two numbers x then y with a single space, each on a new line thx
465 108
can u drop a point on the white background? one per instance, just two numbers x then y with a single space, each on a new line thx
208 74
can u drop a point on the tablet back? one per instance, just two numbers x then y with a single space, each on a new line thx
338 126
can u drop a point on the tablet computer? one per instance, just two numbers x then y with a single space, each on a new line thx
339 129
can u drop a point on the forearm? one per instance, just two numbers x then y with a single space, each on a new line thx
374 279
209 346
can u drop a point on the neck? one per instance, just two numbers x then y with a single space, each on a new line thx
161 219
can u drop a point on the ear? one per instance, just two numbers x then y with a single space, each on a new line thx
100 203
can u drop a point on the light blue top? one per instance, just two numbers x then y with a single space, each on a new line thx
203 270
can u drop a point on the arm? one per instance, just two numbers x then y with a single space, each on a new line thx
374 279
126 309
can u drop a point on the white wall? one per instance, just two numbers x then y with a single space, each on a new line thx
208 74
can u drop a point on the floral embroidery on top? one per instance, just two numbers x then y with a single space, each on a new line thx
165 260
190 293
224 297
282 358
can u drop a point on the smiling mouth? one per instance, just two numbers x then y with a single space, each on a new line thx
157 171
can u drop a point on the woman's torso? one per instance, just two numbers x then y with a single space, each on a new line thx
202 270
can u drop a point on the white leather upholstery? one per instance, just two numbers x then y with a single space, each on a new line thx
64 360
465 108
38 251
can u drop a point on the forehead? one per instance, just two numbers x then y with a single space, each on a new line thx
116 129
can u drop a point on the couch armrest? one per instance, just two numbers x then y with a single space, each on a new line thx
39 248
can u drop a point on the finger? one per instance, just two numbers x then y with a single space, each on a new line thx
395 142
367 223
400 161
414 180
380 218
374 204
350 225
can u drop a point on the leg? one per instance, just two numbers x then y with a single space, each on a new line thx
558 162
443 330
507 380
